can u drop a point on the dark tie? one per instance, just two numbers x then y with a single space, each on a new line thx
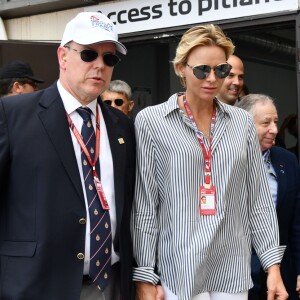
100 228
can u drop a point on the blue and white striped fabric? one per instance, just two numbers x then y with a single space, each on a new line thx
194 253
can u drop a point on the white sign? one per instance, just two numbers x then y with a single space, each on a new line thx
139 15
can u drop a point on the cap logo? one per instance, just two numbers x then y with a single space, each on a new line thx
99 23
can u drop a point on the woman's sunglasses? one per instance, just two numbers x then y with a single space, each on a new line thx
88 55
202 71
118 102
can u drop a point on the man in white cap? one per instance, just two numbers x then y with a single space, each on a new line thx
67 168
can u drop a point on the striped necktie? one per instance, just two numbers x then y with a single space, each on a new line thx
100 227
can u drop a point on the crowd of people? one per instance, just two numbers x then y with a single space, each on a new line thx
189 201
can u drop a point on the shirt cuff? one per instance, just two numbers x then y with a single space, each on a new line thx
145 274
272 257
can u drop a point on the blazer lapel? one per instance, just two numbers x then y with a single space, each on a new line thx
53 117
117 143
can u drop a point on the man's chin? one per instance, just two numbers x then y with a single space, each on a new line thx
232 100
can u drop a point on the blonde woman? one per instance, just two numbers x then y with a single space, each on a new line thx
193 146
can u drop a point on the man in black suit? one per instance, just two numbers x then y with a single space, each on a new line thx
46 234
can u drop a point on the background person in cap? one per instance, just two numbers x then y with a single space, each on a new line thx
45 231
17 78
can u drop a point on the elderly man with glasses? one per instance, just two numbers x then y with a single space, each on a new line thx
119 95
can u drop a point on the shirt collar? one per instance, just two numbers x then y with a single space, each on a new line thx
71 103
266 155
222 107
172 105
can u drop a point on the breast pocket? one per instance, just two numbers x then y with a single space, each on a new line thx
10 248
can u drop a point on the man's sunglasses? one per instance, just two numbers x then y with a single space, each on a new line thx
118 102
202 71
88 55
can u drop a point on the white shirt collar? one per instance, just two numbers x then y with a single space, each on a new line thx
71 103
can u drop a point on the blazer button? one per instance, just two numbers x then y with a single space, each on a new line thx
80 256
82 221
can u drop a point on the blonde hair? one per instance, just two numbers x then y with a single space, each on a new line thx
201 35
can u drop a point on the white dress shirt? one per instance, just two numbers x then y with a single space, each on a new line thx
271 175
106 166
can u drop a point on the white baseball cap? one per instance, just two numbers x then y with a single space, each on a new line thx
91 28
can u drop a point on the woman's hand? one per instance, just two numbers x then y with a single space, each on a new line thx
148 291
159 293
276 289
298 285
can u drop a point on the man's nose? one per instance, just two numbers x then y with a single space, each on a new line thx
273 128
236 80
113 104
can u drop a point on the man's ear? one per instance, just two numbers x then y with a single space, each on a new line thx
16 88
62 55
131 105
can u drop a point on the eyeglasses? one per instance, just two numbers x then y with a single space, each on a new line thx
202 71
118 102
88 55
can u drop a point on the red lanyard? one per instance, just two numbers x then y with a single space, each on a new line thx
97 181
207 155
82 144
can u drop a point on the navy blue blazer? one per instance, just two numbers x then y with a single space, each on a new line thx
41 198
287 171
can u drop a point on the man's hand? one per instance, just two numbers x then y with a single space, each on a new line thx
148 291
298 284
276 289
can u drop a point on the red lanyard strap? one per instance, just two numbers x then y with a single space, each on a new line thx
82 144
207 155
